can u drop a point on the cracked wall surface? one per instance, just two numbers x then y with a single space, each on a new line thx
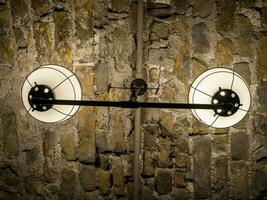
90 156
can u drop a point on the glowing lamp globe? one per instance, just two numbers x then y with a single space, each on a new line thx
51 81
220 86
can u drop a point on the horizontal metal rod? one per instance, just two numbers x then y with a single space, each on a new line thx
130 104
127 88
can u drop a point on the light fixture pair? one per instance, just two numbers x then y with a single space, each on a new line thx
219 97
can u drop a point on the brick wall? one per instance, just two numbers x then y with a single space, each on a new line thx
90 156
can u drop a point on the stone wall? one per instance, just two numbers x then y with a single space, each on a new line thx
90 156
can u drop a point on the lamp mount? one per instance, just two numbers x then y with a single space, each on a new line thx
41 92
138 87
226 96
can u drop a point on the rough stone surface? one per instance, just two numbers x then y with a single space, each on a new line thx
262 97
43 41
31 186
68 185
104 183
164 153
259 188
180 7
181 126
239 172
178 180
151 132
225 16
6 51
130 191
119 190
247 3
161 10
87 177
154 75
167 121
181 56
159 30
163 182
220 181
40 7
181 144
242 68
161 57
199 37
62 37
19 9
121 54
117 172
182 161
101 77
151 115
261 62
91 195
101 120
120 6
21 37
50 141
181 194
86 151
202 7
220 131
9 181
133 17
264 16
239 146
244 42
129 159
91 156
101 142
105 162
259 138
225 52
118 142
32 155
33 161
84 19
100 13
86 78
86 146
150 182
220 144
202 166
199 66
9 134
146 193
199 128
149 164
169 94
68 146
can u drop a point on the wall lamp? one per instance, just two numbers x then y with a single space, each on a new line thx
219 97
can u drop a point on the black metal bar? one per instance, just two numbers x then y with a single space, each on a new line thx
127 88
131 104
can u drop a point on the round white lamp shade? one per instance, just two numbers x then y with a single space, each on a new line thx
207 85
64 85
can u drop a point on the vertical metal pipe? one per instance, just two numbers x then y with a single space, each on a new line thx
137 121
140 40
